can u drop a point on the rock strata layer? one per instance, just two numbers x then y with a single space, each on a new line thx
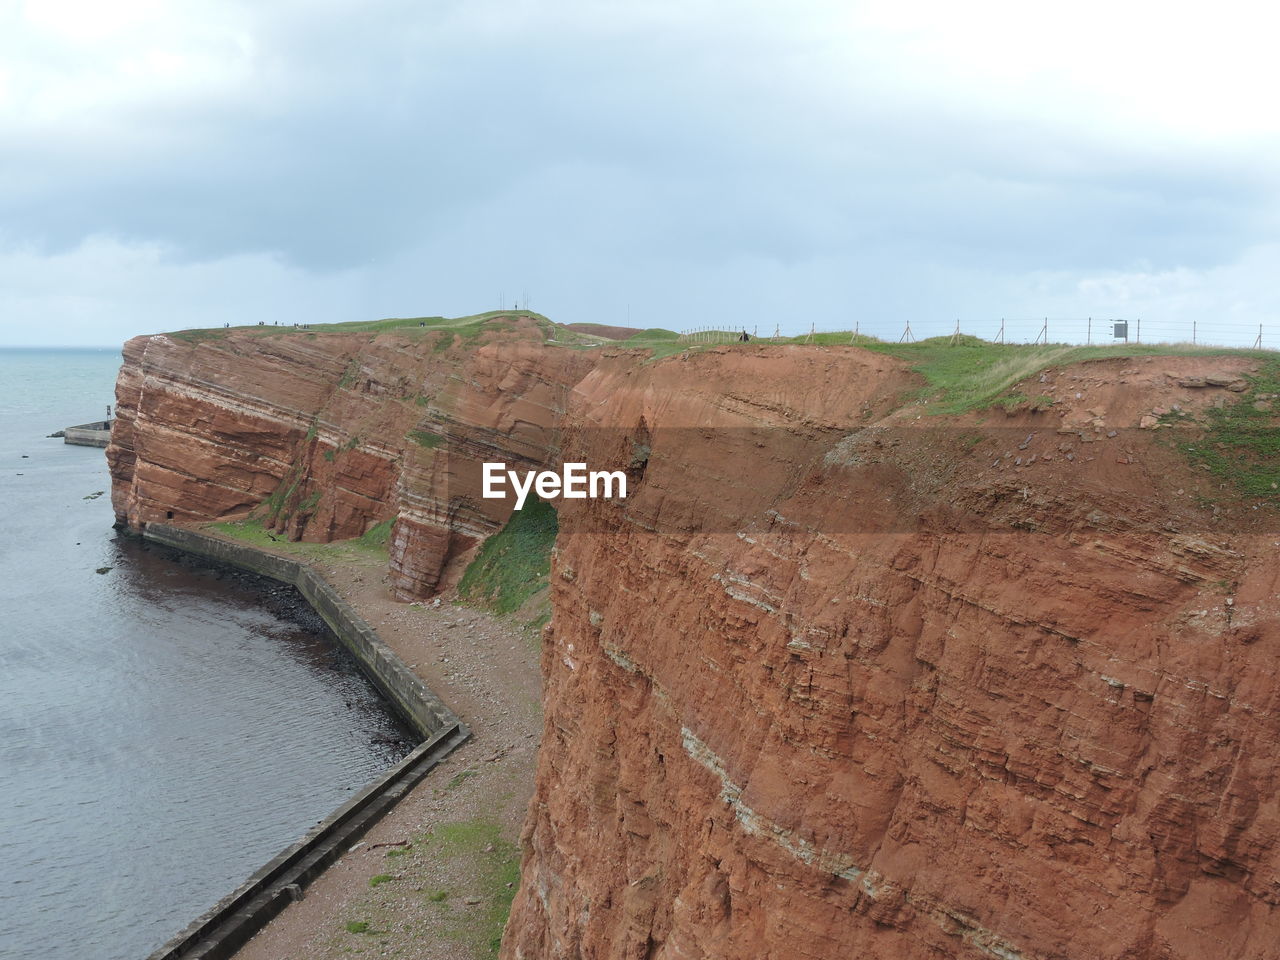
325 435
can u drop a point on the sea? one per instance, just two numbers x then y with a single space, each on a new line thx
165 727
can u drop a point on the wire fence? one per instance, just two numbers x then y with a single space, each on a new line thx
1019 330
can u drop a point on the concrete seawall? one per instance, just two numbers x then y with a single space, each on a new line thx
230 924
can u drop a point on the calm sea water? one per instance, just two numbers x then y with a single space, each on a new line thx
162 732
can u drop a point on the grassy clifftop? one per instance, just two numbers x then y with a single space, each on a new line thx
961 373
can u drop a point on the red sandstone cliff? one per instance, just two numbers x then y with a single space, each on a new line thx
329 433
1049 734
839 678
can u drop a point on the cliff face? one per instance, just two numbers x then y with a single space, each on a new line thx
859 723
329 434
839 678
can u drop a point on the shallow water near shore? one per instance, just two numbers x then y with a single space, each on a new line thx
165 728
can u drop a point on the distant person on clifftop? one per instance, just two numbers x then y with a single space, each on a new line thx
744 338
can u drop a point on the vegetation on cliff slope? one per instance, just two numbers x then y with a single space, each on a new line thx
967 373
1240 442
972 374
370 545
514 563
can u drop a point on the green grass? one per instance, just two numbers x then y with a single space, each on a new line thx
425 438
962 373
438 896
280 497
653 333
497 870
198 335
514 563
967 373
416 323
973 374
657 340
380 879
412 326
1240 443
371 546
349 375
356 926
458 778
376 537
1010 403
658 349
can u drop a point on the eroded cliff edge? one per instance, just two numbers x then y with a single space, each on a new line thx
839 677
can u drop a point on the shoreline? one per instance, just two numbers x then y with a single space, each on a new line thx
415 702
222 930
498 687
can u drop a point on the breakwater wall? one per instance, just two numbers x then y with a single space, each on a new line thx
229 925
96 434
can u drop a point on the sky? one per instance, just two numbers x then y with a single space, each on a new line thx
677 164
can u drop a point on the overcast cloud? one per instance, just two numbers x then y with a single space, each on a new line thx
165 165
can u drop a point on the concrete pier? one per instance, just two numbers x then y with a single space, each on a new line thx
95 434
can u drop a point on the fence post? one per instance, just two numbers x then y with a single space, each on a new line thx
1193 333
1088 337
1257 344
1000 338
1139 329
